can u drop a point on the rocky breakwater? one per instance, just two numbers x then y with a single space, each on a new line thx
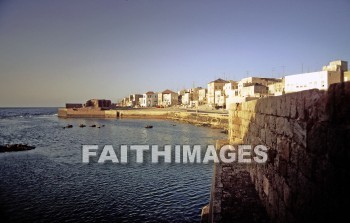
213 120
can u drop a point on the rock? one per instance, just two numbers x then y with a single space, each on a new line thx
15 148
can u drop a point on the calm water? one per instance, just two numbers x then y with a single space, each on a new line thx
50 184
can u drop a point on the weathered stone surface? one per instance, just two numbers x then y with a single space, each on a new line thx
266 186
283 147
299 132
307 134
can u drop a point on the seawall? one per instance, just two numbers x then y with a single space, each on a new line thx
305 177
213 120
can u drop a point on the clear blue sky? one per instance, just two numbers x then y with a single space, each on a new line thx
52 52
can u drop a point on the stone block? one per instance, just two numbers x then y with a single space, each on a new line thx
283 147
271 138
263 135
293 105
287 197
338 103
260 120
292 178
286 106
305 163
266 185
299 132
282 167
317 138
284 127
272 122
300 105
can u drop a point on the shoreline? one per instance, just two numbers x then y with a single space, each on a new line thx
206 119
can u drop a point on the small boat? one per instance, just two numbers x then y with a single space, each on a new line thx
69 126
149 126
93 126
82 125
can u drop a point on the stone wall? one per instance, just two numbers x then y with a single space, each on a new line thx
86 113
213 120
308 135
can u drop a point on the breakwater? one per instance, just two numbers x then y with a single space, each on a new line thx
213 120
305 177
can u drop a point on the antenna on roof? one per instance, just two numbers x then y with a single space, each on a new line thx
283 70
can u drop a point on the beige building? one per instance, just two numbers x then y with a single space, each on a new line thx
249 88
256 80
217 85
347 76
277 88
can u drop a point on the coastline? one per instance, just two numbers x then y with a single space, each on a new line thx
207 119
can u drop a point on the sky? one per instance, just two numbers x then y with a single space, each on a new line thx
53 52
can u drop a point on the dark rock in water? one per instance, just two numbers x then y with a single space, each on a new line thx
15 147
93 126
225 131
149 126
69 126
82 125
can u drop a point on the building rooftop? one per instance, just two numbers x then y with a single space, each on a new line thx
167 91
218 81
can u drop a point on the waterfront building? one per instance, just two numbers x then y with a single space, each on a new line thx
230 85
98 103
74 105
168 98
277 88
249 88
332 73
202 96
134 100
347 76
213 86
149 99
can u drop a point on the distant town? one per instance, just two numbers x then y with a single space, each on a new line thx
222 94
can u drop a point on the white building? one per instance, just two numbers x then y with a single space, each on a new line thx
230 85
186 98
332 73
169 98
149 99
202 96
217 85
